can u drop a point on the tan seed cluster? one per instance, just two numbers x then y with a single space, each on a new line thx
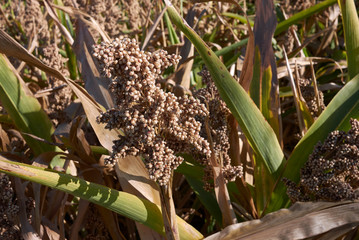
8 210
157 124
34 22
293 6
217 121
331 172
59 99
310 98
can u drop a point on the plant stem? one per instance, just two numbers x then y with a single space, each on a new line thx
169 212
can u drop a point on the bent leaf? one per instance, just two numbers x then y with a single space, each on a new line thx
128 205
301 221
343 106
259 133
10 47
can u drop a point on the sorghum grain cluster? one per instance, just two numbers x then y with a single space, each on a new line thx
219 129
8 210
331 172
310 98
156 124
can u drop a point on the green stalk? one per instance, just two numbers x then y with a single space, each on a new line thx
128 205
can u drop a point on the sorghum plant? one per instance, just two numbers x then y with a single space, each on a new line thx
156 124
331 172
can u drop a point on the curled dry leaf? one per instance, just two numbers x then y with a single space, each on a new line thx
95 83
10 47
301 221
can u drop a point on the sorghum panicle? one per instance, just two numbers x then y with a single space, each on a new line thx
157 124
331 172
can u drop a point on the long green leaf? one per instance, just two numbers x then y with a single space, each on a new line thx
128 205
24 110
259 133
351 35
171 31
264 89
343 106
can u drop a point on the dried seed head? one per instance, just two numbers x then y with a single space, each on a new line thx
157 124
217 121
331 172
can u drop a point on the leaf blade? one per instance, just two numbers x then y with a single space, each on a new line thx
351 35
140 210
343 106
242 107
24 110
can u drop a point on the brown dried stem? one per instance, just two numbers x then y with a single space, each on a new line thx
169 212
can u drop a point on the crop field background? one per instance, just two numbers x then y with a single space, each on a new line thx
183 119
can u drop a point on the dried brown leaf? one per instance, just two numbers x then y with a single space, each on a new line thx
297 100
54 16
74 12
301 221
10 47
220 188
282 70
134 179
4 139
81 213
27 231
78 142
51 234
95 84
247 69
51 230
152 29
183 75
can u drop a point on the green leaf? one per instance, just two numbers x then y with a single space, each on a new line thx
259 133
24 110
351 35
242 19
128 205
171 31
343 106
